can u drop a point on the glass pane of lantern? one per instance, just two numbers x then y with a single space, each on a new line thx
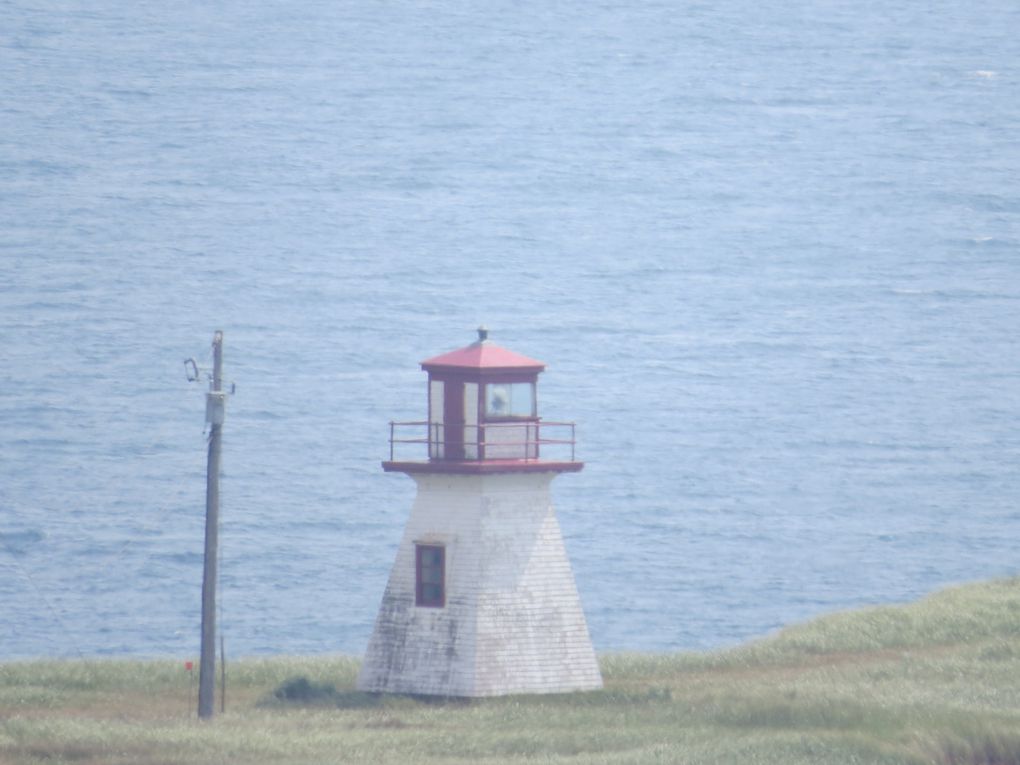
522 400
497 400
510 400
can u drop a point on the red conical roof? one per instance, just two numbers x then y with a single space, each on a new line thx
483 354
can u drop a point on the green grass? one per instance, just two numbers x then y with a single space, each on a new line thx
936 682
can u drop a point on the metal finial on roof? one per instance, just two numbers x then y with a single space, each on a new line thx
483 334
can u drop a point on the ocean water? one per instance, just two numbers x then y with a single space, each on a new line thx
770 252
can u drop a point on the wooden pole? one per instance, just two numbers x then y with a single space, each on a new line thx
223 677
207 664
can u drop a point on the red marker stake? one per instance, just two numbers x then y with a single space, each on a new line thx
188 667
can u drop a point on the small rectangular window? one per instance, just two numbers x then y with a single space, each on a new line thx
430 576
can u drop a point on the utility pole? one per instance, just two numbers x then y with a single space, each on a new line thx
214 414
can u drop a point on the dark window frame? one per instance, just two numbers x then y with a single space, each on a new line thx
425 595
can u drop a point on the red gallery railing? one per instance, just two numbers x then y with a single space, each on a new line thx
518 439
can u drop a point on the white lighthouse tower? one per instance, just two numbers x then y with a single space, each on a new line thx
481 599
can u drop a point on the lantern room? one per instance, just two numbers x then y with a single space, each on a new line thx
482 410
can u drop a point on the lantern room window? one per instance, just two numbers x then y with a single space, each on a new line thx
430 576
509 400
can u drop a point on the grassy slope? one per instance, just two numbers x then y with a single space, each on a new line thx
933 682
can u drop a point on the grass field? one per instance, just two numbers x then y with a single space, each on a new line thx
936 681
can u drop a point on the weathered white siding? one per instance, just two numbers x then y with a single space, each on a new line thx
513 621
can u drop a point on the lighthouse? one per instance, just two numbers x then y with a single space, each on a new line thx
481 599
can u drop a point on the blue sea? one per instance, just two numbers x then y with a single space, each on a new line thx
769 250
